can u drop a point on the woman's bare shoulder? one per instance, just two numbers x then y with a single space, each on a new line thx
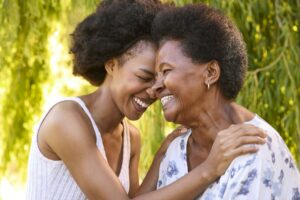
65 115
66 125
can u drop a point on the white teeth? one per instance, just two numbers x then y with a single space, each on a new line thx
166 99
140 102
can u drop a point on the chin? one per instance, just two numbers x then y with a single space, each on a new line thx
169 117
134 117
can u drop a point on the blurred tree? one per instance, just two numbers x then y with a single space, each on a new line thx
25 28
35 65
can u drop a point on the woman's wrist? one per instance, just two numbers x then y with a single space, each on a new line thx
208 172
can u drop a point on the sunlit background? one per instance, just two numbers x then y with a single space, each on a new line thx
36 69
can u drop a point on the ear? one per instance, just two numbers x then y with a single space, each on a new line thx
213 72
111 66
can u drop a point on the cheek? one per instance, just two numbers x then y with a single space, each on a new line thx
169 83
121 87
186 87
175 82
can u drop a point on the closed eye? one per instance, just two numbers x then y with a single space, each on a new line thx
145 79
145 75
166 71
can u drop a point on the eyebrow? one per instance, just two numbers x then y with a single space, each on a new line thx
147 71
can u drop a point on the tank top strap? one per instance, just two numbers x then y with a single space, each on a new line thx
99 141
124 172
126 144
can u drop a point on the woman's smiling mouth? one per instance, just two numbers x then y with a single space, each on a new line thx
140 104
164 100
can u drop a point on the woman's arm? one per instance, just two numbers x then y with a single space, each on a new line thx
150 180
69 133
135 149
228 145
75 145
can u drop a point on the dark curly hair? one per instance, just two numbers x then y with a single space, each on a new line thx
115 27
206 34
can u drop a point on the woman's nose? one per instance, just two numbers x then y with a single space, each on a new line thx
151 93
156 88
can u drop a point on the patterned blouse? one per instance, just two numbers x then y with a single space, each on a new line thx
270 173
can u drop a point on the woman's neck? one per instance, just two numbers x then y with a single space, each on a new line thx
103 109
212 117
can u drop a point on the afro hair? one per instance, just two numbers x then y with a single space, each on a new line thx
109 32
206 34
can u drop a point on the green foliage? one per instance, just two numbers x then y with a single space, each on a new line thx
152 127
32 66
25 27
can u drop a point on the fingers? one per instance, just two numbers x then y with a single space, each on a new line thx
234 141
251 131
178 131
221 159
235 128
237 136
242 150
247 129
243 140
236 131
182 129
249 140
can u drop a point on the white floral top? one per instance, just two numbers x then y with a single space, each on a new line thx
268 174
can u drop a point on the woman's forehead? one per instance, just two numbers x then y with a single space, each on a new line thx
170 51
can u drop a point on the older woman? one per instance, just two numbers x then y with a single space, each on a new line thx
201 65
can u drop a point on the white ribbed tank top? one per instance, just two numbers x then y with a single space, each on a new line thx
50 179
